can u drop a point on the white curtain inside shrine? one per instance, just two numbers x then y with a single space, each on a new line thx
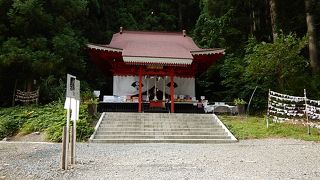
129 85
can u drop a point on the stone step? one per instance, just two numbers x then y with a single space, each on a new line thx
155 115
164 125
160 133
162 137
191 141
158 120
160 128
157 124
178 118
215 129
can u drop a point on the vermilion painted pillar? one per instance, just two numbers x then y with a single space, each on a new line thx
140 89
172 92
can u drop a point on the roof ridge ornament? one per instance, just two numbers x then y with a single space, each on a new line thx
184 32
121 30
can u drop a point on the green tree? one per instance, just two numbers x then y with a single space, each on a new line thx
278 66
40 40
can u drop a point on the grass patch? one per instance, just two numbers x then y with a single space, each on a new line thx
49 118
255 128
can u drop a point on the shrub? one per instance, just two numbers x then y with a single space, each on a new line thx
84 130
54 132
49 118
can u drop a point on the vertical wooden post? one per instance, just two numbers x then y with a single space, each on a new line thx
14 92
147 81
306 111
268 112
38 95
164 89
64 165
67 135
155 89
172 92
140 89
73 142
71 145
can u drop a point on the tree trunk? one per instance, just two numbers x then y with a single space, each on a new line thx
273 15
253 27
313 52
180 15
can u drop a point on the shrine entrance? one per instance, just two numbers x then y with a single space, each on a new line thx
152 70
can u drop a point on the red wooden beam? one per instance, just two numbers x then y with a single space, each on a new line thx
172 91
140 89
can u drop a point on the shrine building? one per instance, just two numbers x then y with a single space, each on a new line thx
152 69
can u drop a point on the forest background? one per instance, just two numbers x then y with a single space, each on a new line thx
270 44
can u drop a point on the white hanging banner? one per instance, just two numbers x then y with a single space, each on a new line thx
129 85
183 86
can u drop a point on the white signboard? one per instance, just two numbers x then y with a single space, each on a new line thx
75 104
73 96
77 90
71 86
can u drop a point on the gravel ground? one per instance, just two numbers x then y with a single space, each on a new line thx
248 159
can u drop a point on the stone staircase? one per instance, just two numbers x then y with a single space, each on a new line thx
160 128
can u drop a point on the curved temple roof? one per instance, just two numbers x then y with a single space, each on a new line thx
164 48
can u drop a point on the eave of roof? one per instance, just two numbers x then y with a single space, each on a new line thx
207 51
157 60
104 48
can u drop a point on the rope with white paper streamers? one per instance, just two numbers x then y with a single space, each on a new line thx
283 107
26 97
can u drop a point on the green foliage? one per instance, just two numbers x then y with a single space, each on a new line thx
255 128
69 47
231 70
54 132
84 131
52 89
239 101
12 119
49 118
28 18
278 66
41 42
42 118
212 31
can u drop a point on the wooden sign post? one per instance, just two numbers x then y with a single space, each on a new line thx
75 117
72 104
